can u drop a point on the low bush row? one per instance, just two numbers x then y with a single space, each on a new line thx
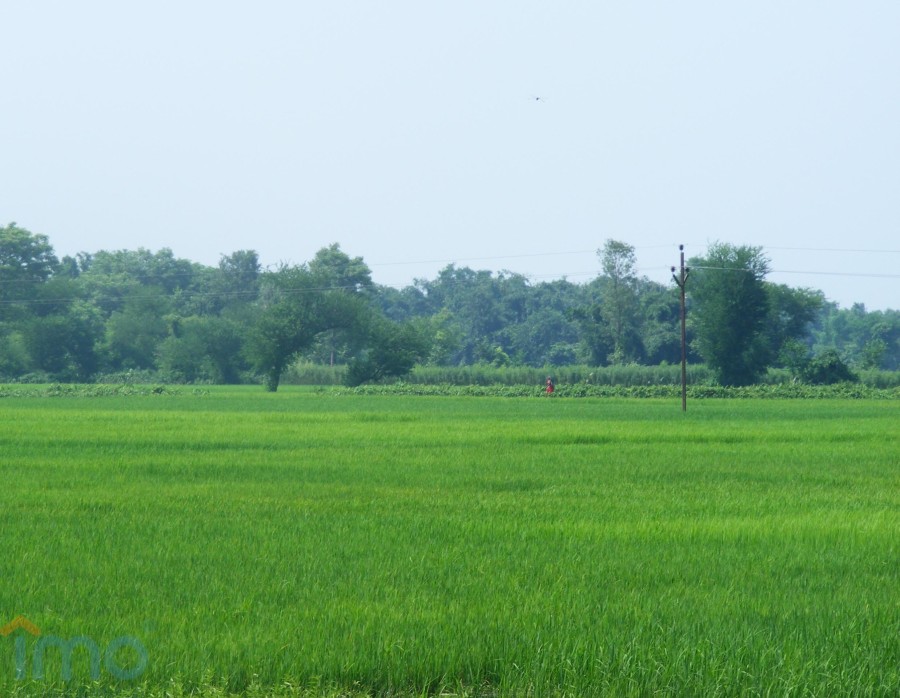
582 390
619 376
86 390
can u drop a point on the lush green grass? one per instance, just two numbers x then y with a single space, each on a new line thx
302 544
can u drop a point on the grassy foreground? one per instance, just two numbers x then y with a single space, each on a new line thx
303 544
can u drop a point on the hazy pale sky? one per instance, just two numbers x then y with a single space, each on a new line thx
493 134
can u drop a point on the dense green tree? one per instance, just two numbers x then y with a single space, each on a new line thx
108 311
134 333
204 349
791 314
338 270
296 306
113 279
25 257
406 303
240 272
545 337
872 354
474 299
619 303
26 261
392 349
68 268
729 310
828 368
443 334
157 269
595 338
865 339
882 349
547 334
660 331
15 361
63 345
44 309
233 284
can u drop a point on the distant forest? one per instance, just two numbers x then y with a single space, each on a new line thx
99 316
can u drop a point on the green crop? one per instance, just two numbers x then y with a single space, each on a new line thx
324 544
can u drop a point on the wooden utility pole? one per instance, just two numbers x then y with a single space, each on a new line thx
681 279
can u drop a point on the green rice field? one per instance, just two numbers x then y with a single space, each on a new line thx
234 542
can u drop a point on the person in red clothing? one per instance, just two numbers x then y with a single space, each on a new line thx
550 386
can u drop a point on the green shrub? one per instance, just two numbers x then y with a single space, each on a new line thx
827 369
790 391
307 373
880 379
90 390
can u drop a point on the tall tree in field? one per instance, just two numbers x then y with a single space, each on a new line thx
296 306
26 261
619 304
729 308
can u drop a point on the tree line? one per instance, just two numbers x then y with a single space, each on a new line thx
100 315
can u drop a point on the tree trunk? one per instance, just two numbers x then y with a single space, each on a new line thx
273 377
